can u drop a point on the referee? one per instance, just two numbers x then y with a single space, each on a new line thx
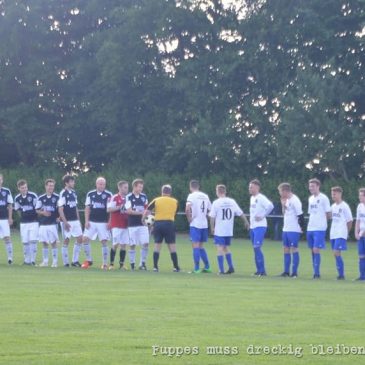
165 208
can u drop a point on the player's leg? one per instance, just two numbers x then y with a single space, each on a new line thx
228 254
5 234
24 234
219 243
144 242
319 243
64 251
339 245
361 252
310 243
294 243
170 239
88 235
54 254
104 253
173 255
122 254
257 238
104 236
287 256
203 253
114 248
33 241
132 246
195 242
156 255
158 236
45 253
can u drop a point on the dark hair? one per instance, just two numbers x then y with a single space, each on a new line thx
194 184
67 178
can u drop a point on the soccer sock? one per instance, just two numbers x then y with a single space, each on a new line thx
45 254
76 252
362 267
9 248
144 254
65 255
87 249
26 252
204 257
33 250
54 255
132 256
313 257
316 263
220 259
287 260
259 259
112 255
104 252
174 260
196 256
156 256
229 261
295 262
122 254
340 265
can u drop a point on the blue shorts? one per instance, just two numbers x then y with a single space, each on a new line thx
222 241
339 244
198 234
316 239
291 239
257 236
361 246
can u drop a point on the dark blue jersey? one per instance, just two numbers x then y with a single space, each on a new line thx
98 201
137 203
68 200
48 203
5 200
26 205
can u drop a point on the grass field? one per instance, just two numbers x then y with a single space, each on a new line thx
75 316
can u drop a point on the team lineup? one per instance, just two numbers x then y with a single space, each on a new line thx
128 219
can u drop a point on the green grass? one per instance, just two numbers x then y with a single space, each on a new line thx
74 316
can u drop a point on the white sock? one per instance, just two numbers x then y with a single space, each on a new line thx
9 249
104 251
26 251
132 256
33 250
76 252
87 249
54 255
65 255
45 255
144 253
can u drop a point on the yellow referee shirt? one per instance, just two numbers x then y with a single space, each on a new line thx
165 208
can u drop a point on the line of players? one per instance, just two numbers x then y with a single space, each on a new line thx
123 214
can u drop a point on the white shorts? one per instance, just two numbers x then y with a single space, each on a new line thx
120 236
75 230
4 228
48 234
138 235
99 230
29 231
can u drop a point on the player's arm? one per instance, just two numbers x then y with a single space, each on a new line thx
349 219
300 215
87 216
10 214
149 209
40 211
212 224
17 208
188 212
357 229
245 221
112 206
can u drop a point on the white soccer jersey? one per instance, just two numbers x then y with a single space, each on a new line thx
224 210
200 206
341 215
360 216
292 209
260 206
318 207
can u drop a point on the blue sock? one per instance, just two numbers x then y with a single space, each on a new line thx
260 260
229 261
204 257
221 263
340 266
256 263
313 256
316 263
362 267
287 259
295 262
196 255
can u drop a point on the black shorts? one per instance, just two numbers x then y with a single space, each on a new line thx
164 230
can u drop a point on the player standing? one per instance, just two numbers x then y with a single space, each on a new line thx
25 203
70 221
319 210
96 221
6 218
47 209
165 208
139 235
260 208
292 229
118 223
340 228
360 232
222 215
197 208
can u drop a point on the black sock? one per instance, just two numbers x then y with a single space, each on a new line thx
122 256
174 259
156 256
112 256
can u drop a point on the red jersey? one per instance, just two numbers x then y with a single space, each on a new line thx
118 219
